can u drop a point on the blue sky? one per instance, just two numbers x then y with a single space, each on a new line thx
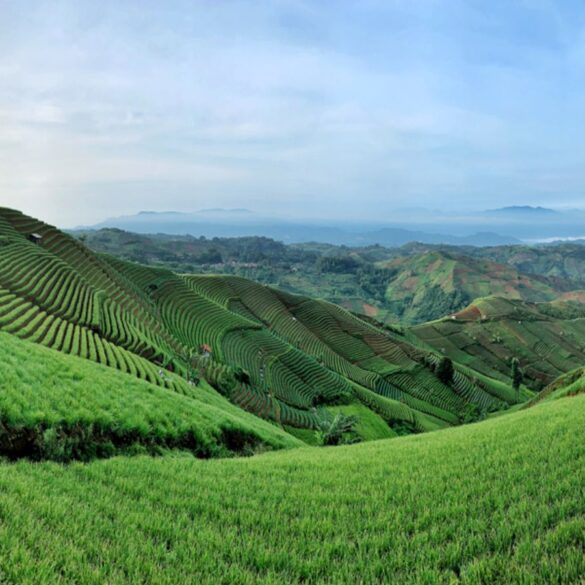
307 109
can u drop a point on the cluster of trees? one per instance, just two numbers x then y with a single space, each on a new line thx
374 281
436 301
189 251
338 264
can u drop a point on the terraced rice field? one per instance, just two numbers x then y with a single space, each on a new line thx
296 355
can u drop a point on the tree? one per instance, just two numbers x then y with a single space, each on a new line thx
445 370
517 376
331 431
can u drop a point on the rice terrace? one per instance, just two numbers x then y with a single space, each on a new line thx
267 314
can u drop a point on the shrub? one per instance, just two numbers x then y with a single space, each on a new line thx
445 370
332 431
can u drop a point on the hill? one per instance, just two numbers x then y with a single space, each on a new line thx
560 260
292 360
497 502
435 283
370 280
547 338
61 407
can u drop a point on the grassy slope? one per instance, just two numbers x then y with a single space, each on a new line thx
500 501
59 406
570 384
370 426
547 338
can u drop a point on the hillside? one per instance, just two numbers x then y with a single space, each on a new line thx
414 283
348 278
102 358
547 338
496 502
562 260
285 358
61 407
437 283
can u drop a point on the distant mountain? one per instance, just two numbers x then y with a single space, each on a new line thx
522 210
238 210
241 222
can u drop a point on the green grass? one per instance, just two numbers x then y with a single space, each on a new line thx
370 426
56 406
497 502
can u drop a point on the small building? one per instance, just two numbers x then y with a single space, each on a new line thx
205 350
35 238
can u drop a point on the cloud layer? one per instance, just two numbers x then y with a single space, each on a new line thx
299 108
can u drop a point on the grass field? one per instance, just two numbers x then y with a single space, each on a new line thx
497 502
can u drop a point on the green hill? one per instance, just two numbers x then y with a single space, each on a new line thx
57 406
547 338
105 359
498 502
437 283
283 357
413 283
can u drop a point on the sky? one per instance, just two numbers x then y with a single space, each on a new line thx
295 108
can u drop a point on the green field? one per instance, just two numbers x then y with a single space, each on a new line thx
56 406
497 502
547 338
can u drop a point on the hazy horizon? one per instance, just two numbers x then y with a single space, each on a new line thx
345 110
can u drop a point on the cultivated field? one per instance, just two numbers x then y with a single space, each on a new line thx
283 357
497 502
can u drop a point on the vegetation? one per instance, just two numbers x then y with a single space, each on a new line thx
516 374
283 357
101 358
336 430
487 334
60 407
445 370
411 284
496 502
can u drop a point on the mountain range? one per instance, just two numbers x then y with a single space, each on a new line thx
508 225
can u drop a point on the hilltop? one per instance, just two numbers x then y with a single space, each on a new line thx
436 283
